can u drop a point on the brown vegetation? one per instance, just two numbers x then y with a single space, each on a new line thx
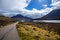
38 31
6 20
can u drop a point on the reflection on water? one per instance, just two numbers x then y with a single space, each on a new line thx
48 21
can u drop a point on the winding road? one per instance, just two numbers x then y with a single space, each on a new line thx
9 32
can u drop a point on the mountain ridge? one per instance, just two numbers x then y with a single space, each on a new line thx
53 15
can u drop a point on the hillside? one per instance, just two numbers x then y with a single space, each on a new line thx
6 20
53 15
3 18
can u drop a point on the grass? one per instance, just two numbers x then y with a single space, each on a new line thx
37 31
6 20
4 23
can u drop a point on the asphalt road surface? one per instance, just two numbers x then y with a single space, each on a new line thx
9 32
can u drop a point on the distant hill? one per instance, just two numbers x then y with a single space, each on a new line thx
53 15
22 18
6 19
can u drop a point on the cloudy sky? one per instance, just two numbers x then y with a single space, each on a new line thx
29 8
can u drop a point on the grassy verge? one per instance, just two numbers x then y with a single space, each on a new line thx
38 31
6 20
3 23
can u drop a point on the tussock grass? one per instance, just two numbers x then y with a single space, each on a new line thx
32 31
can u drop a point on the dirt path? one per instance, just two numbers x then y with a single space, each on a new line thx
9 32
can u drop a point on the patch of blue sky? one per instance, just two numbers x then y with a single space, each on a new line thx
38 4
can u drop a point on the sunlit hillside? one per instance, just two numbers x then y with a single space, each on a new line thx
6 20
38 31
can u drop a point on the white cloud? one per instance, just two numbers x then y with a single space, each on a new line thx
15 7
54 1
45 6
39 13
13 4
36 13
56 5
9 7
9 14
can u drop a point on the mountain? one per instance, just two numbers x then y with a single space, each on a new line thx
22 18
6 19
53 15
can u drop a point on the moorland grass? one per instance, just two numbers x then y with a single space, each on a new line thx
32 31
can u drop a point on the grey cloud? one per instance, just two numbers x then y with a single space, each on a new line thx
10 9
